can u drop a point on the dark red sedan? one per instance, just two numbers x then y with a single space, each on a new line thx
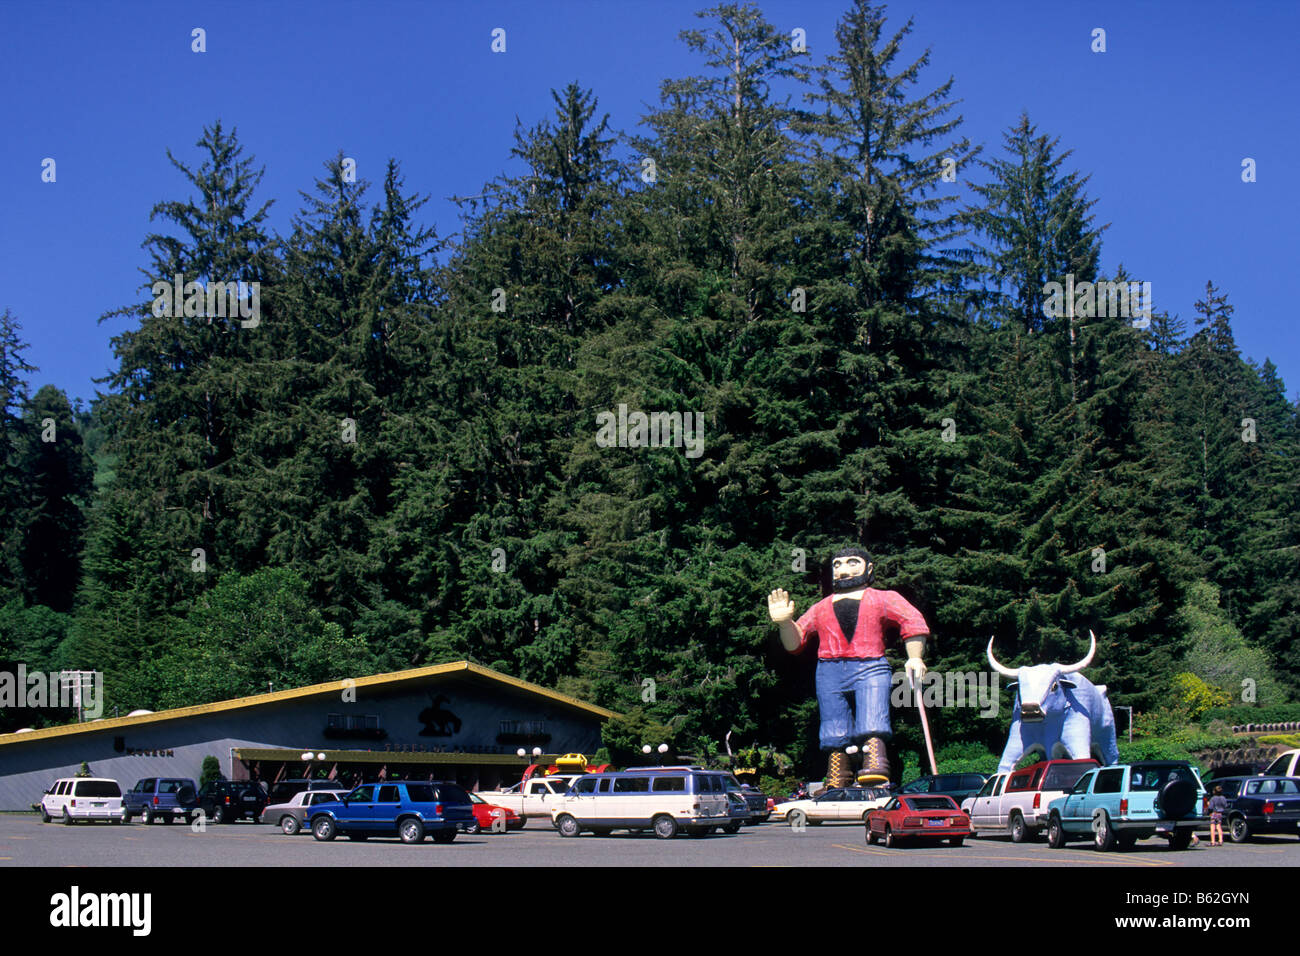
919 817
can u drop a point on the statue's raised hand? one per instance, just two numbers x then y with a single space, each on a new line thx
780 607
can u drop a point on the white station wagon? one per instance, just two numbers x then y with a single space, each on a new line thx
82 798
841 804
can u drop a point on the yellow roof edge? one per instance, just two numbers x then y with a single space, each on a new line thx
311 690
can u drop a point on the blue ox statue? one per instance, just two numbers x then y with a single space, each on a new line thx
1060 715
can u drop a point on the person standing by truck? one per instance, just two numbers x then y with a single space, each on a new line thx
1218 807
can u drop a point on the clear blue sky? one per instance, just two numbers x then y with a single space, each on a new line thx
1161 121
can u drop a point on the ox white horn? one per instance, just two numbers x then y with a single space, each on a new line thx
993 663
1092 649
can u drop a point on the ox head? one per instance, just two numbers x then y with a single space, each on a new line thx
1040 684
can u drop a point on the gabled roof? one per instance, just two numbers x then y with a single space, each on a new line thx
330 688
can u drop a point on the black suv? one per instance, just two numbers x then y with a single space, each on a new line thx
224 801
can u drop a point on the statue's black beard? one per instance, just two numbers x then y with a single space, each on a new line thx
840 585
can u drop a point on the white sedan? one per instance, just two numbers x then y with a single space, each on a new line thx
850 804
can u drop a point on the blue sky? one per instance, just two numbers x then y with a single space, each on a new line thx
1161 121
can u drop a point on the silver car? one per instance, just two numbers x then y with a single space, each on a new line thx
291 815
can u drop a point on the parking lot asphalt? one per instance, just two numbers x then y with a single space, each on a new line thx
26 842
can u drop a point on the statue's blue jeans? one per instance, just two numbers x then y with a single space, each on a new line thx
853 698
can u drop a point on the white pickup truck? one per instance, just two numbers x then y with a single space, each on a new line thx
532 798
1015 803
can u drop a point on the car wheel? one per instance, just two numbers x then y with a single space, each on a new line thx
567 826
1181 839
1055 833
324 829
67 818
1019 832
1105 833
475 829
871 836
45 817
797 818
444 836
957 841
218 814
146 816
891 841
1239 830
412 830
665 827
289 825
167 818
731 828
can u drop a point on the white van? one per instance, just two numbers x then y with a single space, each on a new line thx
665 800
82 798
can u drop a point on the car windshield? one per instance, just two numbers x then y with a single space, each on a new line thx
1064 776
98 788
475 798
930 803
1154 778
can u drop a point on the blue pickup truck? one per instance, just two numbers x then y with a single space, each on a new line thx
1120 804
404 808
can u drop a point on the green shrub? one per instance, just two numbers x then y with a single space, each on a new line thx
1286 740
210 771
1279 714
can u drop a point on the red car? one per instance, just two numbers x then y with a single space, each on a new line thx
918 816
485 813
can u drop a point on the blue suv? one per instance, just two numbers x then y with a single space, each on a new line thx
405 808
1120 804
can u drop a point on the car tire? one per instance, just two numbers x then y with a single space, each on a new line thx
289 825
891 841
1055 833
731 828
411 830
475 829
957 841
871 836
665 827
567 826
797 818
1105 837
1238 830
45 817
67 818
444 836
324 829
168 818
1181 839
218 814
127 818
1019 832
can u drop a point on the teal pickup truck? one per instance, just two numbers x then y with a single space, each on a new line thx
1121 804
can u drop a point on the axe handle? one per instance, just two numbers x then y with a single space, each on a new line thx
925 726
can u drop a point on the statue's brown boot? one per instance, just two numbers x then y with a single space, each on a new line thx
875 764
838 772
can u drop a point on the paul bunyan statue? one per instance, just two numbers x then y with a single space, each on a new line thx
853 677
